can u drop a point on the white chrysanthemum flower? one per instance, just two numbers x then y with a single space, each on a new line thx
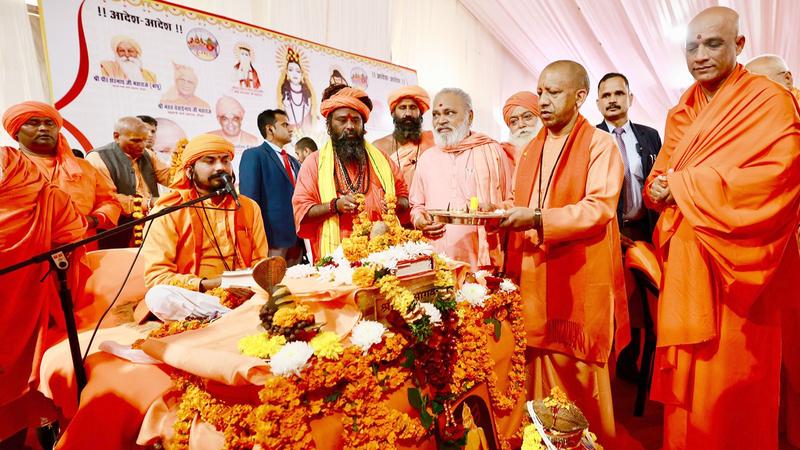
383 259
291 358
301 271
367 333
432 312
472 293
481 276
507 285
342 275
338 255
326 273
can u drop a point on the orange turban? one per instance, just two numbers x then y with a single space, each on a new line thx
198 147
346 98
415 93
526 99
17 115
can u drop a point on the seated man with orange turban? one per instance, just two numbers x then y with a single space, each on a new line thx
521 114
35 216
324 199
407 143
186 252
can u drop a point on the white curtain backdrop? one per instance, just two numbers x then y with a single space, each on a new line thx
642 39
489 48
22 73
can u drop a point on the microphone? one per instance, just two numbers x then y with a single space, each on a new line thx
230 189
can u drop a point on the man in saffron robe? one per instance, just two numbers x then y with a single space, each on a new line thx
727 183
462 165
187 251
324 197
36 126
565 252
776 70
35 216
521 114
408 142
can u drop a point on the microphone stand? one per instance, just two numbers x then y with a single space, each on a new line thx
57 257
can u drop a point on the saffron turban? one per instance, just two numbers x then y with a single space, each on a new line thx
525 99
198 147
16 116
346 98
415 93
128 40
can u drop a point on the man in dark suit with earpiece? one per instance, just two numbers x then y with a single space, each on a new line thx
639 146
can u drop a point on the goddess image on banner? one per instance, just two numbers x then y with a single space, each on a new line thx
295 91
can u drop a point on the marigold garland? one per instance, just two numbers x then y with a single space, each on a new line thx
137 213
289 316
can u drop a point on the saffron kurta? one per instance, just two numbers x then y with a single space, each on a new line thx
572 283
182 246
35 216
728 262
477 167
306 195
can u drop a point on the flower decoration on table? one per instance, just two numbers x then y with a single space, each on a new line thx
138 213
435 351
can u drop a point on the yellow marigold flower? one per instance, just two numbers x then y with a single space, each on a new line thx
531 439
287 317
261 345
364 276
327 345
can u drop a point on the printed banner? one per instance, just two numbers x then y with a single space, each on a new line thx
195 73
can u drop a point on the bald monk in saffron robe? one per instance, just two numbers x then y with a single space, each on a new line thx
324 198
776 70
408 142
521 115
727 183
36 216
462 165
565 249
187 251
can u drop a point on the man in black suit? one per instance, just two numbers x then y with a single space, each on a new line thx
639 146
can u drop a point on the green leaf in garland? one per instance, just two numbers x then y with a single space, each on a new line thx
410 358
415 399
421 329
332 397
496 323
437 407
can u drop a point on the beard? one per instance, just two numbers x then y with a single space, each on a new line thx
524 135
349 146
132 68
213 182
407 129
451 138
